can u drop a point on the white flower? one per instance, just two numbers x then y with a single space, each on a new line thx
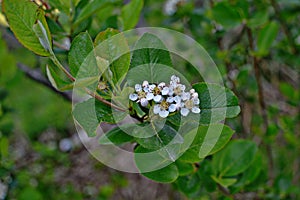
165 91
163 113
151 87
156 109
145 84
144 102
161 85
170 99
185 96
157 98
175 79
133 97
196 101
184 111
138 87
149 96
196 110
172 108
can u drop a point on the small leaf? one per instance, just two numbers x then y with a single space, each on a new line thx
58 82
216 103
22 16
81 47
266 37
112 46
226 15
89 114
234 158
130 13
165 175
190 184
117 135
259 19
184 168
140 113
225 182
90 9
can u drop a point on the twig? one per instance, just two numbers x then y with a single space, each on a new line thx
37 76
261 102
225 191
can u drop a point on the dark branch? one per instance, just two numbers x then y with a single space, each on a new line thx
36 75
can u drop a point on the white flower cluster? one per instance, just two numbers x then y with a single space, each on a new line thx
167 98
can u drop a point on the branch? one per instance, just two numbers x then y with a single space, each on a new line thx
37 76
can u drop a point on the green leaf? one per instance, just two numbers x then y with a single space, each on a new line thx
225 182
140 113
259 19
117 135
209 140
130 13
89 114
216 103
22 16
266 37
166 135
184 168
189 184
90 9
226 15
58 82
251 173
115 50
234 158
150 61
81 47
165 175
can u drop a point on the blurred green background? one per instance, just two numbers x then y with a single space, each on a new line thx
255 44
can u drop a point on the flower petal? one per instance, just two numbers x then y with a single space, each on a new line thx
172 108
170 99
196 110
161 85
138 87
157 98
133 97
145 84
144 102
149 96
163 113
156 109
184 111
196 101
151 87
165 91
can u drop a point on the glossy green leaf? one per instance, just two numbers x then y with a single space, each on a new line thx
184 168
130 13
235 158
166 135
209 140
150 61
165 175
81 47
266 37
138 110
22 17
89 114
216 103
57 81
117 135
115 50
